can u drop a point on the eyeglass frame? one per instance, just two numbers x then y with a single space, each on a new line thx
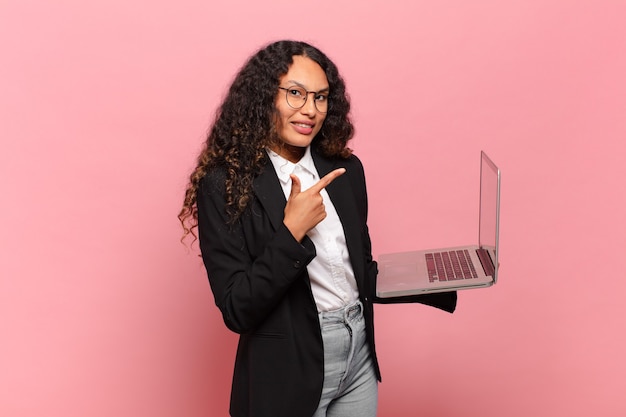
306 97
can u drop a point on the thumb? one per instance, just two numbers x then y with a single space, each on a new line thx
295 186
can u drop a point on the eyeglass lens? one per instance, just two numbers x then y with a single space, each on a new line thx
297 97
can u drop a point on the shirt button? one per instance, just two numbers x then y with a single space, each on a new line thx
296 264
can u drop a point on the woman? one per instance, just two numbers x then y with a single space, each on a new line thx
281 208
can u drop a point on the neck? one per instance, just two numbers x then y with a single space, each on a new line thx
289 152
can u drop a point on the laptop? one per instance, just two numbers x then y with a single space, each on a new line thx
455 268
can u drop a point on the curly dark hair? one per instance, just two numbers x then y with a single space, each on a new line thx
244 126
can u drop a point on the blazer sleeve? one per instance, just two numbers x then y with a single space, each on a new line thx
445 301
246 285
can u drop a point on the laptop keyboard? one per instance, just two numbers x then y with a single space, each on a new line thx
450 266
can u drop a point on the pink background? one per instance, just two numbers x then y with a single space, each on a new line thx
104 105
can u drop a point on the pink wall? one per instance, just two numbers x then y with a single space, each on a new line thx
103 107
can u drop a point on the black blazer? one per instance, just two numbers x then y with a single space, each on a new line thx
258 276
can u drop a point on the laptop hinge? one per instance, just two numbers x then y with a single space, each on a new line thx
485 260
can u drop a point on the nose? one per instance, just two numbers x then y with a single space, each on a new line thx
309 106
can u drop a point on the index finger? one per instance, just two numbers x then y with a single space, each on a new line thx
327 179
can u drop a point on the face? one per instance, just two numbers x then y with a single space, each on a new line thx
297 127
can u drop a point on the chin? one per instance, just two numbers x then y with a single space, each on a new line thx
300 143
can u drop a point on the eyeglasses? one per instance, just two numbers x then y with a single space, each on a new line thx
297 96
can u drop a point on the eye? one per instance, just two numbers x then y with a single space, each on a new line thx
295 92
321 97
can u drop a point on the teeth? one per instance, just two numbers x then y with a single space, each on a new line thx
302 124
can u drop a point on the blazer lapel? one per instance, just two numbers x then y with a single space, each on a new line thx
267 188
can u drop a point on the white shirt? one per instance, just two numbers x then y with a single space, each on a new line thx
330 272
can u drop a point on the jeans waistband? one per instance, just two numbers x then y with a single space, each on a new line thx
349 312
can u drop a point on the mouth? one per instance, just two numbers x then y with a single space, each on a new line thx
304 128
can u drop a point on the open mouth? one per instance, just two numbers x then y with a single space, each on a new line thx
303 128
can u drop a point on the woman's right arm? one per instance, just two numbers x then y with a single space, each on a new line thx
250 265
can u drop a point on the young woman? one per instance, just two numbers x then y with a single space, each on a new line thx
280 204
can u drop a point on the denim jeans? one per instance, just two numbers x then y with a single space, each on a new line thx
350 385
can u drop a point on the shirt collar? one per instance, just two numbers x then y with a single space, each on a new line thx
285 168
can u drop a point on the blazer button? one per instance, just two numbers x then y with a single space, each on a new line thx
296 264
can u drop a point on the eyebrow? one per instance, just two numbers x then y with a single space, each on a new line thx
325 89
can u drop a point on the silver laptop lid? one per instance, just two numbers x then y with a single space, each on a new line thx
489 217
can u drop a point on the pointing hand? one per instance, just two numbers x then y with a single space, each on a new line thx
305 209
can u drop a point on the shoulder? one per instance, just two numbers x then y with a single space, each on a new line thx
213 184
214 178
354 175
354 168
354 162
